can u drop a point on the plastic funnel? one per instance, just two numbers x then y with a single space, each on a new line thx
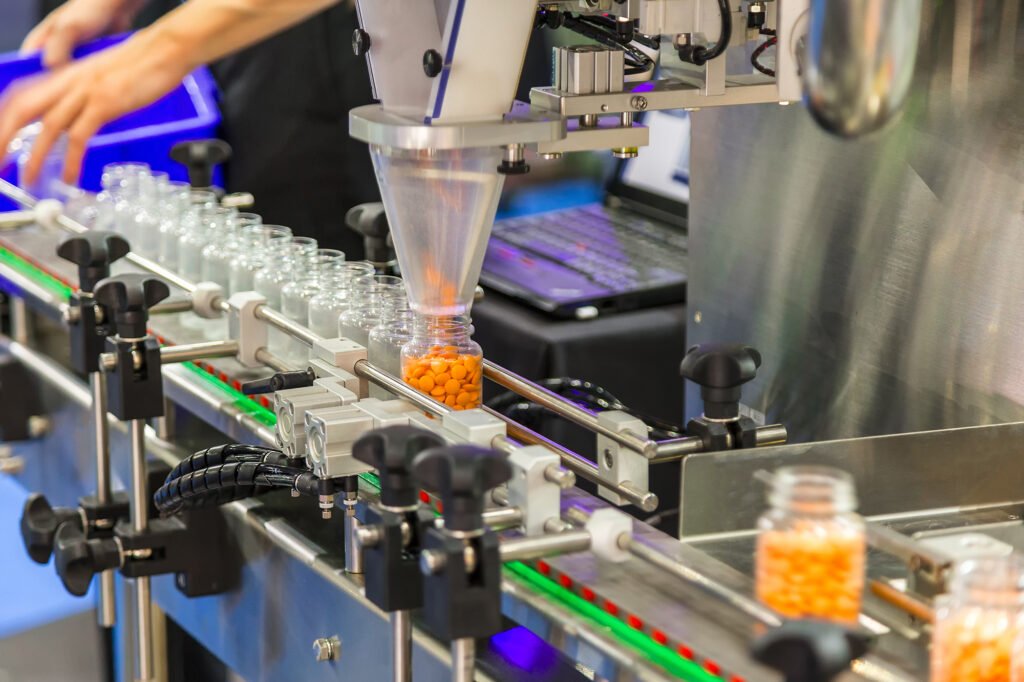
440 206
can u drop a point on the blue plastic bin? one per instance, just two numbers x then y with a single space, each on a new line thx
147 135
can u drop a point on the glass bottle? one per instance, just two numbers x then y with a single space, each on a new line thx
116 181
181 216
978 621
296 295
327 305
221 244
254 241
443 362
194 238
146 214
384 348
811 546
281 255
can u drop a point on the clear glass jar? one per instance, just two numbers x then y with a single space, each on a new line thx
194 238
327 306
979 621
443 362
146 214
280 257
117 180
811 546
296 295
221 244
254 242
175 202
384 348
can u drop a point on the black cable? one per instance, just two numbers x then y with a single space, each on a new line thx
232 480
756 54
607 38
220 454
700 55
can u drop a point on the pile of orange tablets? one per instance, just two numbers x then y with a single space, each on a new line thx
447 376
975 645
812 572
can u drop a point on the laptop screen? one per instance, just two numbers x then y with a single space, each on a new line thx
659 176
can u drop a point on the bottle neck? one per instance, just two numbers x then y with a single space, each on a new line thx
992 582
812 491
445 329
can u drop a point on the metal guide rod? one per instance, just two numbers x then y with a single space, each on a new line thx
540 546
567 409
401 635
272 361
106 612
758 612
680 448
178 305
463 659
293 329
903 601
140 522
198 351
34 290
915 555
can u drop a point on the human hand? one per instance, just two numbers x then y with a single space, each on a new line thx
76 22
81 97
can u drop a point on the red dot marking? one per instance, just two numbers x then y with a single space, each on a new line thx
210 369
611 607
424 497
588 594
659 637
736 678
237 385
224 377
565 581
265 401
634 622
544 567
712 667
685 651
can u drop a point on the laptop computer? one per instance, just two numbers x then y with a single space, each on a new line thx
627 253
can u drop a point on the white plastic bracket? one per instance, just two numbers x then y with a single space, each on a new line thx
246 328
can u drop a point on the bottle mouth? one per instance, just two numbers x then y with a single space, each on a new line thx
990 581
813 489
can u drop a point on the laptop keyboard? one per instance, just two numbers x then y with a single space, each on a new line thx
617 250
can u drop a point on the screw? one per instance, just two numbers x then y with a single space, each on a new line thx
327 649
609 459
12 465
432 562
433 62
639 102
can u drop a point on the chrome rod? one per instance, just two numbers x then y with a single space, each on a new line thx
463 660
106 612
567 409
13 220
140 522
401 635
649 555
503 518
383 379
198 351
540 546
272 361
179 305
289 327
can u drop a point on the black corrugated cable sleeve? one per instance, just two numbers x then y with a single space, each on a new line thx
221 454
226 482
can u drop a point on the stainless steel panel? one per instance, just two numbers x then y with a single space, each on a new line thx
881 278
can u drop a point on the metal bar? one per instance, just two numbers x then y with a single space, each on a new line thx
680 448
378 376
537 547
655 558
913 554
140 522
463 659
198 351
181 305
503 518
106 611
21 325
903 601
12 220
567 409
17 194
36 291
401 635
272 361
289 327
579 465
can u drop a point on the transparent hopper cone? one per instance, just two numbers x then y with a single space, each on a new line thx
440 206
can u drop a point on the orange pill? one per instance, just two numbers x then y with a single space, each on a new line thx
438 366
463 398
427 384
470 362
452 387
459 371
437 391
442 378
449 400
417 372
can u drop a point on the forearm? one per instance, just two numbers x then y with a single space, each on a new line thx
203 31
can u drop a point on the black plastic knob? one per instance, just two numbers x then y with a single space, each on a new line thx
462 475
720 370
391 452
129 297
39 525
200 157
370 221
433 62
280 382
810 650
79 559
93 252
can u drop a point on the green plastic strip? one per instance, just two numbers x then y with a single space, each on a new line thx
239 399
44 279
656 653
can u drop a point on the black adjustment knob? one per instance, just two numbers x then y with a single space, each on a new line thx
809 650
39 524
200 157
391 451
720 370
461 475
360 42
93 252
78 559
130 297
370 221
433 62
280 382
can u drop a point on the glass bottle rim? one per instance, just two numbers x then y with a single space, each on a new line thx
813 489
989 581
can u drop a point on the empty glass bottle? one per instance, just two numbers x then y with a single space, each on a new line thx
328 304
174 205
254 243
384 348
118 182
146 213
221 237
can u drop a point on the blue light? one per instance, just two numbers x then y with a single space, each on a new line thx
522 649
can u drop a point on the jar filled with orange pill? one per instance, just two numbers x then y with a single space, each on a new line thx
811 546
978 622
443 361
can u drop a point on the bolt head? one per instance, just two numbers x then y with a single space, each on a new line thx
639 102
326 649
